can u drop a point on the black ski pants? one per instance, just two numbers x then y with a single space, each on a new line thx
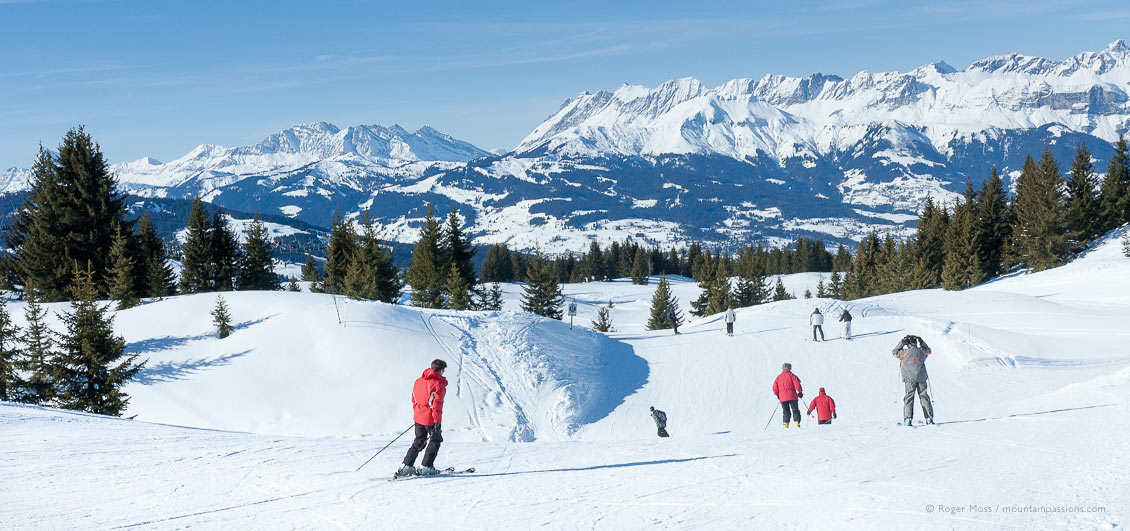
663 431
823 422
730 328
790 408
814 329
423 434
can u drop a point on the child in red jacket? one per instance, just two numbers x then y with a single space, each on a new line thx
825 408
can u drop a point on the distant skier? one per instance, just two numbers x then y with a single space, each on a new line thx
660 421
817 322
912 350
730 318
845 318
825 408
788 391
427 412
673 320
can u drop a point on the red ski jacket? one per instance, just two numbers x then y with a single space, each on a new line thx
787 386
427 398
824 405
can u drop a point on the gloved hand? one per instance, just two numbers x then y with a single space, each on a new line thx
800 395
833 415
433 430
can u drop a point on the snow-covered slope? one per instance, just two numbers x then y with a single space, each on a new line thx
1030 378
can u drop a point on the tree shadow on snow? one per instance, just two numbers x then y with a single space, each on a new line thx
626 373
1016 415
157 344
170 371
603 467
870 334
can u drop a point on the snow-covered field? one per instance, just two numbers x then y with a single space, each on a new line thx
264 429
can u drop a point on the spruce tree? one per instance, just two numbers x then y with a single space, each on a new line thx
456 249
222 318
39 351
862 280
92 367
836 285
962 267
68 216
663 301
496 265
1039 229
121 273
425 275
292 285
339 254
196 275
716 296
603 321
257 270
929 247
160 279
640 268
1114 197
226 256
489 299
310 270
372 274
542 293
995 225
821 288
11 385
457 291
1082 211
779 292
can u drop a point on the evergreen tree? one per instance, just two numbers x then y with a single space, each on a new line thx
1039 230
310 271
339 254
372 274
121 273
68 216
222 318
929 247
640 268
92 367
458 292
962 267
518 265
603 321
807 293
457 249
424 273
821 288
1114 197
257 270
995 225
11 385
293 284
497 266
542 294
196 275
493 299
836 285
663 301
1082 211
779 293
39 351
862 280
715 297
226 256
159 278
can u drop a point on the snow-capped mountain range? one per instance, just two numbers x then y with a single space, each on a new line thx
748 160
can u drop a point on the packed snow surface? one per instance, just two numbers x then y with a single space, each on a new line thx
1030 376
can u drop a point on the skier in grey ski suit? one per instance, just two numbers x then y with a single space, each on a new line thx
912 350
660 421
730 318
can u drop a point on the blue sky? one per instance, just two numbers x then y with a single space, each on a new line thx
158 78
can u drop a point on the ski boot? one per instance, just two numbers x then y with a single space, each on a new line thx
427 471
786 425
798 423
930 421
907 421
405 471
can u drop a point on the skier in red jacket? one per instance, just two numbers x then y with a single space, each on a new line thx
427 412
788 391
825 408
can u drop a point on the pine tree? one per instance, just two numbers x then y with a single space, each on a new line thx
310 271
458 293
836 285
1039 230
542 294
497 266
121 273
424 273
39 351
222 318
457 249
779 293
862 280
603 321
821 288
1114 197
1082 211
92 367
640 268
196 276
68 216
372 275
929 247
339 254
160 279
292 285
962 267
493 299
11 385
807 293
995 225
715 297
663 301
257 269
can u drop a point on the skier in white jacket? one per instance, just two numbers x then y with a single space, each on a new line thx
730 318
817 322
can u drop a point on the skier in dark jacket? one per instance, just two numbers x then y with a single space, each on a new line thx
845 318
660 421
788 391
673 320
912 350
427 412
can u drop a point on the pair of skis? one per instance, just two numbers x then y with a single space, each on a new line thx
449 471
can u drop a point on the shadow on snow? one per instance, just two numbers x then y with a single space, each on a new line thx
603 467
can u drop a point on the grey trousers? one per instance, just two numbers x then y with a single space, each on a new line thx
923 396
847 329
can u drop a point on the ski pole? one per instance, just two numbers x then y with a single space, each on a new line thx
386 446
771 416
